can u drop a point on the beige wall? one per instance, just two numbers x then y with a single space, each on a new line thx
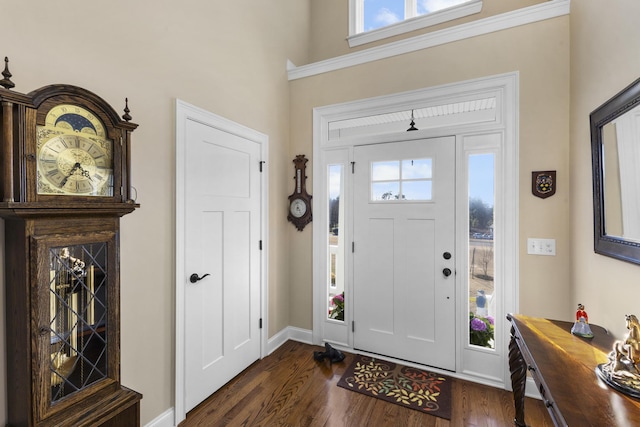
605 42
227 57
540 52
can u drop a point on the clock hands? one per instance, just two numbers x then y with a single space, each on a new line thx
72 172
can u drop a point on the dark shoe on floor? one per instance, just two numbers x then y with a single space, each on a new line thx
333 354
319 356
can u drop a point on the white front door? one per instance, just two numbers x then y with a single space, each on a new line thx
222 237
404 234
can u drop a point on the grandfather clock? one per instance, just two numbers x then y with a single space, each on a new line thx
65 183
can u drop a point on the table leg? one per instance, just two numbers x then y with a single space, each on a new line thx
518 369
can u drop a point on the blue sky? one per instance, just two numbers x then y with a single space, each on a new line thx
481 177
380 13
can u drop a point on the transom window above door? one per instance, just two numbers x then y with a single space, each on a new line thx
378 19
401 180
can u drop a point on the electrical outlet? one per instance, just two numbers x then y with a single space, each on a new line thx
541 247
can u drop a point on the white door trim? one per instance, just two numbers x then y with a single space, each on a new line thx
504 88
184 113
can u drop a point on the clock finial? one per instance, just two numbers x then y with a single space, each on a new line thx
6 82
126 116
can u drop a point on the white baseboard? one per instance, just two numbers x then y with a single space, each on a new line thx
165 419
289 333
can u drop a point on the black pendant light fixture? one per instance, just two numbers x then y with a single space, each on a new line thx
413 124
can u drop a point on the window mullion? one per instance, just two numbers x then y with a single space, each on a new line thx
356 20
410 8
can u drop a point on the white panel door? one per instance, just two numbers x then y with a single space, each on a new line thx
404 234
222 309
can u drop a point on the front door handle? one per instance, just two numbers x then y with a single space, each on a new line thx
195 278
446 272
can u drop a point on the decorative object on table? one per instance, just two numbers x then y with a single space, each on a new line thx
337 311
543 183
413 388
581 326
622 371
300 200
334 355
481 330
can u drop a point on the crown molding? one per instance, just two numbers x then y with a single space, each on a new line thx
516 18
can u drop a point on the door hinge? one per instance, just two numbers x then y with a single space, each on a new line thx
260 245
353 167
261 323
353 326
261 163
353 247
121 142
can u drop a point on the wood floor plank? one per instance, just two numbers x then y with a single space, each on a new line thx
289 388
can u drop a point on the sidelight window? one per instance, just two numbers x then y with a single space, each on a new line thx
336 279
481 184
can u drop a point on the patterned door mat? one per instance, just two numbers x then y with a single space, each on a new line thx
413 388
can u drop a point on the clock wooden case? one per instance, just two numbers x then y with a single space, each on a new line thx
65 171
300 201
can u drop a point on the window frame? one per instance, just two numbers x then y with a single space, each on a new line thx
357 35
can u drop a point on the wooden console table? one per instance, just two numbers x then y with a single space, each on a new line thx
563 368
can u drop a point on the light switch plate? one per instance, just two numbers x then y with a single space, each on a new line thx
541 246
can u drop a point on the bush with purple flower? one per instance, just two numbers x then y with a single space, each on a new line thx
481 330
337 309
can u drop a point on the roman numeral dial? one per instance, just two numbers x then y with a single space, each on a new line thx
74 156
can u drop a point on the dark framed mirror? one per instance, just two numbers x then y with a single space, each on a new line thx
615 150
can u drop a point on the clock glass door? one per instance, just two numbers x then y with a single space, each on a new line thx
78 317
76 303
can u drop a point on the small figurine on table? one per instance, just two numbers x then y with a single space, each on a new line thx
581 326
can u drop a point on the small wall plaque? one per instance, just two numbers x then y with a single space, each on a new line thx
543 183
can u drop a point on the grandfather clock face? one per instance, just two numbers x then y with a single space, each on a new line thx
74 155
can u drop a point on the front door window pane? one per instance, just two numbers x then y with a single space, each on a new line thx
416 169
416 190
385 190
401 180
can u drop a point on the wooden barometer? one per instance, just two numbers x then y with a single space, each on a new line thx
65 183
300 201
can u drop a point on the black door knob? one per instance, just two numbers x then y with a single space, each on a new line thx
195 278
446 255
446 272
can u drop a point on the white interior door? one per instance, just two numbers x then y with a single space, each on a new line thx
404 234
222 236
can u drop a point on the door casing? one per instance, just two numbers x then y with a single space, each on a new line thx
184 113
499 135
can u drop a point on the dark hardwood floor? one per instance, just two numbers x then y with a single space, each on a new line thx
289 388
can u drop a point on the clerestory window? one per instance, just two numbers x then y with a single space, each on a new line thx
376 19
